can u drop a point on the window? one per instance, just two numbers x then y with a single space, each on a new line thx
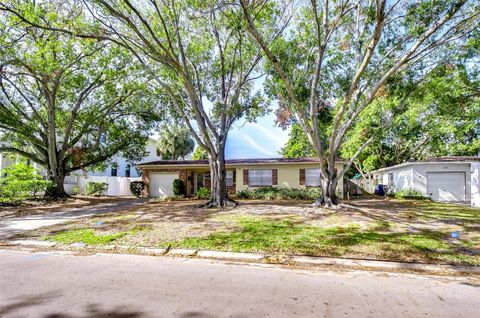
312 177
103 138
260 177
127 171
114 169
229 178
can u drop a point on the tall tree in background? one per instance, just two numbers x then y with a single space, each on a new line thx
438 117
341 54
175 142
67 103
199 154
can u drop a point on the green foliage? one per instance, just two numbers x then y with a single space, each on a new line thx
203 193
199 154
22 181
273 193
96 188
175 142
99 103
409 194
178 187
136 188
297 145
437 117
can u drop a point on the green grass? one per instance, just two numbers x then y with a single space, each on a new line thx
429 210
287 236
87 236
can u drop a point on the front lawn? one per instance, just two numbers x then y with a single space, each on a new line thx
400 230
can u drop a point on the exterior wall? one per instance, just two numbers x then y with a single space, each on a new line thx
122 163
288 175
475 184
402 178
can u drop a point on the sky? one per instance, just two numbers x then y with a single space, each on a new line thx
255 140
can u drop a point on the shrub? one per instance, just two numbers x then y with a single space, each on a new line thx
203 193
178 187
22 181
96 188
136 188
272 193
409 193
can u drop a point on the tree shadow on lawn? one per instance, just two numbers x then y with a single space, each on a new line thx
288 237
421 212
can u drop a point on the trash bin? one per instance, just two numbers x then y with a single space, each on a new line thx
380 190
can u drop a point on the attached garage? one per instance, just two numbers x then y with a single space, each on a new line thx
161 183
446 186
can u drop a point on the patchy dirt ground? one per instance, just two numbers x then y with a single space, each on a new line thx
368 228
40 206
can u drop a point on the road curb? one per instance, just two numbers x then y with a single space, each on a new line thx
260 257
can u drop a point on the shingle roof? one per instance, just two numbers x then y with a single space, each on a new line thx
449 159
231 161
445 159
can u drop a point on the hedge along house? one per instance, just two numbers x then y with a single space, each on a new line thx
241 174
443 179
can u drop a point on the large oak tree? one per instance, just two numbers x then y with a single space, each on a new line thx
340 55
199 55
65 102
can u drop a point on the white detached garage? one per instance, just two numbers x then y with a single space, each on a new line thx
444 179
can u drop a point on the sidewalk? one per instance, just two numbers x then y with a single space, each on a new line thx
295 260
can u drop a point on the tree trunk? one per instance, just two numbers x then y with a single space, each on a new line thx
57 189
218 191
328 198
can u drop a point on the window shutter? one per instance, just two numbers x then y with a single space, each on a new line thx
274 176
245 176
302 177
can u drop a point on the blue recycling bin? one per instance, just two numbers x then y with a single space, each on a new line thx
380 190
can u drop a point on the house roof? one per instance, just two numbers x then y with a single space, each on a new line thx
434 160
233 162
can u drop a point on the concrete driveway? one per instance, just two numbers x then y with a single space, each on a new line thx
12 226
63 285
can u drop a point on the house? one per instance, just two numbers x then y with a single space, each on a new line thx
444 179
118 174
119 166
241 174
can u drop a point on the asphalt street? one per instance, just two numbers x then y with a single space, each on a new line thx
59 284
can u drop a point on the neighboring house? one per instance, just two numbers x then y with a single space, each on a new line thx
121 167
445 179
241 174
118 174
7 160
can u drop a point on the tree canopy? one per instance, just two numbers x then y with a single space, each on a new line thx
438 117
175 142
340 56
65 102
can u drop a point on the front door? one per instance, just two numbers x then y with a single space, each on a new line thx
199 181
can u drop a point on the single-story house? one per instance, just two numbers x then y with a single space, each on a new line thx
241 174
444 179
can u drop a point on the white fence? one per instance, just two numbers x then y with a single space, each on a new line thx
117 186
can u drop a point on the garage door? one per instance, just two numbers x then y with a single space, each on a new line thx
161 184
446 186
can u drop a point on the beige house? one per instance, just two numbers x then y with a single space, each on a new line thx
241 174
